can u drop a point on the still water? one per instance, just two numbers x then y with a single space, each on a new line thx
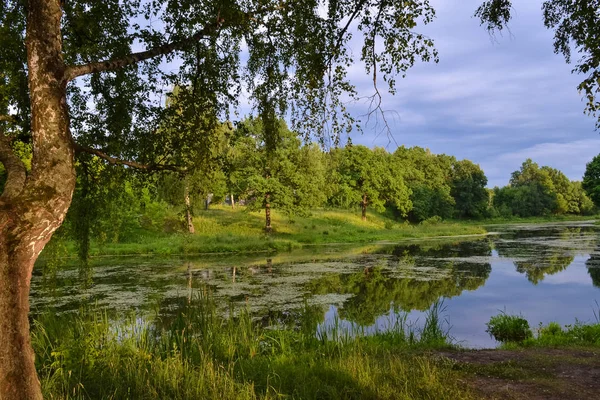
546 272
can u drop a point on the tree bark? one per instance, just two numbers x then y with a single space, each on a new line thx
29 217
268 227
188 209
364 207
232 201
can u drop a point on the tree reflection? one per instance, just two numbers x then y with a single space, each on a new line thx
376 289
593 267
547 264
541 260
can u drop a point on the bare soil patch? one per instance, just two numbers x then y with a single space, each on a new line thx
530 373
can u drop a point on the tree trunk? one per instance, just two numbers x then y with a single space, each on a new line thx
364 207
18 378
30 215
268 227
188 209
232 201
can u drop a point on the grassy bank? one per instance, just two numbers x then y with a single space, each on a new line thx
197 353
533 220
224 230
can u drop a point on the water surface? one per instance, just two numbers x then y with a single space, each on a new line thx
546 272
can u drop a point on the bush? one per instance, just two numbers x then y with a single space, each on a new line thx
436 219
552 329
508 328
389 225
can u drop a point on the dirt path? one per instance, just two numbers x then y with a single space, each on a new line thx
529 374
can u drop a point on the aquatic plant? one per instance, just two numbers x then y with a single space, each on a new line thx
508 328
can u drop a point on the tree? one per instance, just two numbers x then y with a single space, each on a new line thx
535 191
110 112
530 192
428 177
280 174
468 189
591 180
366 178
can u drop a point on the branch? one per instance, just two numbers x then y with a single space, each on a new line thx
340 37
16 171
75 71
133 164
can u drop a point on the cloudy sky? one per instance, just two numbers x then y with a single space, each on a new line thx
496 102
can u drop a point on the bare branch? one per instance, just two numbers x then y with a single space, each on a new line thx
75 71
133 164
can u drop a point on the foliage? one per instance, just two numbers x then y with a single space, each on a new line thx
508 328
535 191
468 183
591 180
428 177
366 177
278 171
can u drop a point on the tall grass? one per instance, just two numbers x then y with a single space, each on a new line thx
199 354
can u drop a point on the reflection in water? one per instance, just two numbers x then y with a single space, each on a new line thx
544 252
593 267
375 289
363 284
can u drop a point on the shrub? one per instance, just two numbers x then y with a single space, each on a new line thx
552 329
389 225
436 219
508 328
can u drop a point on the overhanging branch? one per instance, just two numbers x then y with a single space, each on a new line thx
75 71
133 164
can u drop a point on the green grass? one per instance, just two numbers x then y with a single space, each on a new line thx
198 354
225 230
201 354
533 220
514 332
508 328
573 335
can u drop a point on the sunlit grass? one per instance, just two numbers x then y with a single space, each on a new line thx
198 354
225 230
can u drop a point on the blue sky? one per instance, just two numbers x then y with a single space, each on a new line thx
495 102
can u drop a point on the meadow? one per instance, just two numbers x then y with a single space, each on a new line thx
222 229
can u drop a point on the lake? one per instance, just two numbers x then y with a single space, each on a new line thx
546 272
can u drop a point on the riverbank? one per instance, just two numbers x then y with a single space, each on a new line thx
225 230
197 353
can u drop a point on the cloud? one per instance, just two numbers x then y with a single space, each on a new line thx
496 101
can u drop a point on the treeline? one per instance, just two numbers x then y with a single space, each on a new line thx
295 177
540 191
242 164
280 171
